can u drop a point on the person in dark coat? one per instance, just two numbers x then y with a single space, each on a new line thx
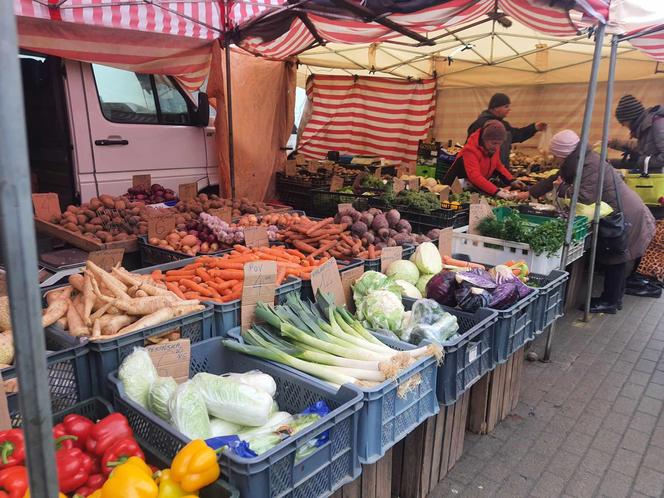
647 127
499 108
479 160
565 147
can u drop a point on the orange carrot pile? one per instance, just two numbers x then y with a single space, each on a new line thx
326 239
220 279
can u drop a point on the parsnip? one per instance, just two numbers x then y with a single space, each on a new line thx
112 324
78 303
57 309
113 284
89 298
56 293
140 293
62 323
77 281
147 305
76 326
141 282
96 328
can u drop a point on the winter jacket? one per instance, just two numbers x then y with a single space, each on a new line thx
514 135
637 215
648 129
479 167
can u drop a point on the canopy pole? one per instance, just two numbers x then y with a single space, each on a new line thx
598 201
19 250
229 112
585 132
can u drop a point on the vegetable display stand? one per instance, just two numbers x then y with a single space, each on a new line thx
374 482
456 216
515 326
495 395
425 457
69 378
550 302
296 190
77 240
580 226
106 354
277 472
98 408
496 251
228 315
374 264
155 255
325 203
467 357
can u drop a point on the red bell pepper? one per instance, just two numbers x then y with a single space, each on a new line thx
105 432
74 468
79 426
94 482
14 481
62 439
12 448
120 452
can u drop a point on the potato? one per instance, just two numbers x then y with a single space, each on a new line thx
81 219
107 201
121 236
154 241
89 227
72 209
189 240
104 236
72 227
120 204
95 204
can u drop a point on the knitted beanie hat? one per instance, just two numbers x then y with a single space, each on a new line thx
563 143
498 100
629 108
494 130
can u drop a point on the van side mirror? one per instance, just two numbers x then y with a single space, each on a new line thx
201 115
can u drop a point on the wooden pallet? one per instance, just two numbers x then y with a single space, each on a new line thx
495 395
374 482
77 240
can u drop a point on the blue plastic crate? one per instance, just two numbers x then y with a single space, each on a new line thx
550 304
97 408
468 356
374 264
107 354
275 473
228 315
515 327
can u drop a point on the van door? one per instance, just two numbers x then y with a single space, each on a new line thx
140 124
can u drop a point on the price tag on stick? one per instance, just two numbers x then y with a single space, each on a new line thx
47 206
107 259
475 198
326 278
336 184
388 255
260 284
141 180
456 187
477 213
256 237
160 225
171 359
188 191
445 239
224 213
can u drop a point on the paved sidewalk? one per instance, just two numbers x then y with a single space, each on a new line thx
588 424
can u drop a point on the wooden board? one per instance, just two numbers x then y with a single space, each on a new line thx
374 482
77 240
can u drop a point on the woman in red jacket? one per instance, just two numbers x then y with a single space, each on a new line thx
480 159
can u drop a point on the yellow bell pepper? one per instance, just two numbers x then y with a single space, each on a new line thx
168 488
132 479
195 466
95 494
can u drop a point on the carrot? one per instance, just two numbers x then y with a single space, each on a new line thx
372 252
205 276
318 225
296 253
232 296
229 274
348 240
173 287
196 287
323 248
448 260
222 286
156 275
281 274
241 249
304 247
226 264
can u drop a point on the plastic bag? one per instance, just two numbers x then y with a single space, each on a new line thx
545 141
137 373
159 394
188 412
429 322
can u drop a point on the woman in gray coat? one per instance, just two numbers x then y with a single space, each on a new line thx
565 147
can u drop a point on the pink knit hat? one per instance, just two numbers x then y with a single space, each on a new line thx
563 143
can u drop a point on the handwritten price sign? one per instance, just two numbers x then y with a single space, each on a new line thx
47 206
326 278
107 259
260 284
160 225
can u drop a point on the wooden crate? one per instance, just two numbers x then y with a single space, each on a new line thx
374 482
77 240
495 395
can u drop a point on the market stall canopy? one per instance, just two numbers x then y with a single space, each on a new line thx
150 37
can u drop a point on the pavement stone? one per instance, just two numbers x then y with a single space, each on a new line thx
588 424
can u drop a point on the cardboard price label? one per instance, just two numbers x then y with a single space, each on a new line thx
300 160
260 284
290 168
326 278
444 194
445 239
224 213
344 206
475 198
107 259
171 359
456 186
398 185
256 237
328 165
160 225
477 213
414 184
378 172
188 191
388 255
336 184
348 278
312 166
144 180
47 206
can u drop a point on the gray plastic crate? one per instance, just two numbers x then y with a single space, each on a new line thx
106 355
228 315
374 264
515 327
550 304
274 473
153 255
98 408
468 356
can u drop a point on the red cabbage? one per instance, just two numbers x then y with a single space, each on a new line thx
504 296
441 288
471 298
477 278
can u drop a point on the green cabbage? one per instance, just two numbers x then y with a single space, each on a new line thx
403 270
160 392
188 412
422 283
382 309
409 290
137 373
233 401
427 258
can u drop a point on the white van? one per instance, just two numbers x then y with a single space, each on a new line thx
92 127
